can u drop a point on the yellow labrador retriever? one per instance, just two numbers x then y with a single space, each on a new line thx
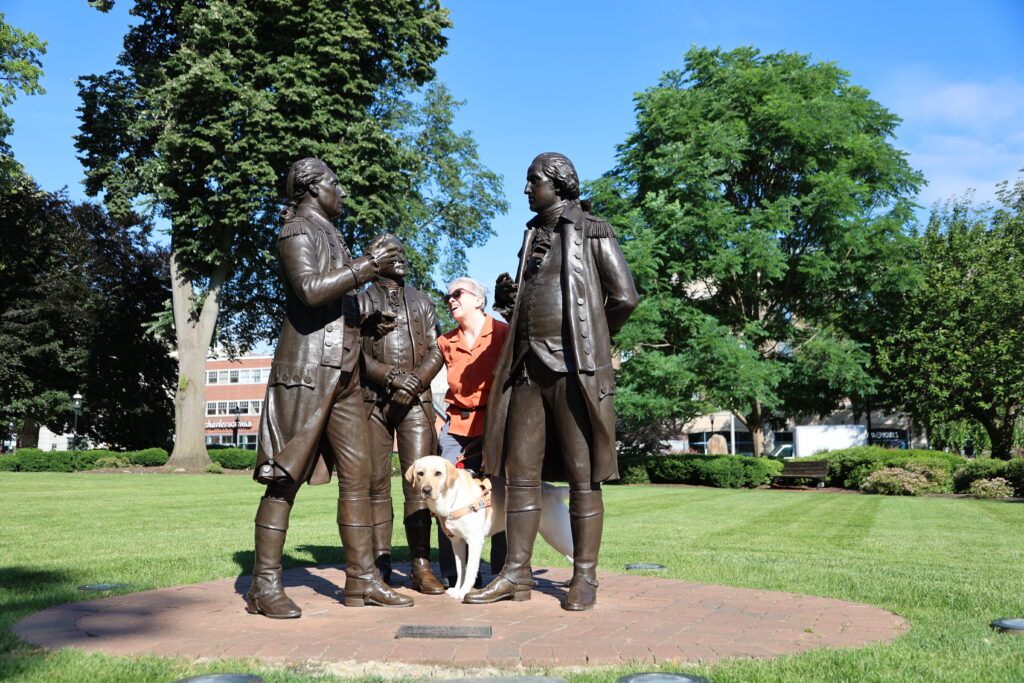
470 513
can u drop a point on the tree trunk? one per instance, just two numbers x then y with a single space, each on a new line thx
28 435
1000 433
193 328
755 424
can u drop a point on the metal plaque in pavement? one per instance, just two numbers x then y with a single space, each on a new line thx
409 631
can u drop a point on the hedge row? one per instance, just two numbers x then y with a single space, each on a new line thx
987 468
723 471
848 468
35 460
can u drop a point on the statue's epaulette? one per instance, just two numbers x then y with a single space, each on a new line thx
598 227
292 227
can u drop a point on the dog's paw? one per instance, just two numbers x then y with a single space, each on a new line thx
454 593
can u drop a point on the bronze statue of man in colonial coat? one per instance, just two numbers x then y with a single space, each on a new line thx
550 414
400 357
313 416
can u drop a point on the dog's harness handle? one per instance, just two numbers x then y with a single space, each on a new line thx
481 502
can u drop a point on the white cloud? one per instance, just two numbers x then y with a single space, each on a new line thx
960 134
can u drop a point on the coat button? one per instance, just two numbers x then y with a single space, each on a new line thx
295 378
580 301
583 316
583 333
586 347
330 328
578 256
309 380
578 269
327 343
578 241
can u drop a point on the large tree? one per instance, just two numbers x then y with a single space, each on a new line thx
20 69
954 351
762 203
216 98
77 291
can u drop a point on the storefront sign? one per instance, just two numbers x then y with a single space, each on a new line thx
221 424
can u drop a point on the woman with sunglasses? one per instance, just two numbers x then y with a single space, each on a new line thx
470 353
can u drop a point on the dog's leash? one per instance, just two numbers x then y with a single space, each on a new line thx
481 502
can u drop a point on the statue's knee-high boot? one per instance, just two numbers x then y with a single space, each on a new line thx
383 519
417 532
266 595
522 509
362 582
586 515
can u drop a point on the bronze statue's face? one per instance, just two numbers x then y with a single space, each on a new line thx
329 195
539 189
398 269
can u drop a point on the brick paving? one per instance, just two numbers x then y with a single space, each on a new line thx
638 618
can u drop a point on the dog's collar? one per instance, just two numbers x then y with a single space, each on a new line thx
481 502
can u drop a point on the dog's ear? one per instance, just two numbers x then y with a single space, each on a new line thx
410 474
451 474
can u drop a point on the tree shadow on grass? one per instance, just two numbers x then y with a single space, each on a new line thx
23 592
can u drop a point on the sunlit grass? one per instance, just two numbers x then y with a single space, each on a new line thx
949 566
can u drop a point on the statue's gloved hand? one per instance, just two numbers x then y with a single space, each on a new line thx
403 397
406 381
365 269
505 291
385 253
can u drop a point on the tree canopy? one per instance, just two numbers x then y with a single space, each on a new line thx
762 206
954 349
212 103
77 290
20 69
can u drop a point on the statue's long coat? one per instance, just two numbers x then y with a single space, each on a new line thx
319 342
598 296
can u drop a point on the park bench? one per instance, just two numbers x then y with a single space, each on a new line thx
808 469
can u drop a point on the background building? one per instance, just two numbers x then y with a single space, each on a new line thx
235 390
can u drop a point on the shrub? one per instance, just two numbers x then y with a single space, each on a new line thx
982 468
234 458
849 467
35 460
111 462
990 488
1014 473
213 468
633 470
9 462
912 480
151 457
723 471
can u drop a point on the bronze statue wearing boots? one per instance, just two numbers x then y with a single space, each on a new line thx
314 419
400 357
550 414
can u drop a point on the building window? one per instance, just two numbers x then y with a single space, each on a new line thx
252 407
244 440
241 376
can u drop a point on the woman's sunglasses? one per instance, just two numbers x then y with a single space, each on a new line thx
457 293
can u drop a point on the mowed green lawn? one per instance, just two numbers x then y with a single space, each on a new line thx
948 566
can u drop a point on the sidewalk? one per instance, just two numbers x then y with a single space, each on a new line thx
637 619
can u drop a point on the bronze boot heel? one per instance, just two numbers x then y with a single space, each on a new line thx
266 596
362 582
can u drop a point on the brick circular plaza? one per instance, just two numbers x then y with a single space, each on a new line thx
637 619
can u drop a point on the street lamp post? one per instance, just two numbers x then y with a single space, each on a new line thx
76 401
234 428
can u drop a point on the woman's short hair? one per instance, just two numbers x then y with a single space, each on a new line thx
473 286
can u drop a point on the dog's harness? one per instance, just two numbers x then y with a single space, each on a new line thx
481 502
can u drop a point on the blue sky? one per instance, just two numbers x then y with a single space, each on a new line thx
561 75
